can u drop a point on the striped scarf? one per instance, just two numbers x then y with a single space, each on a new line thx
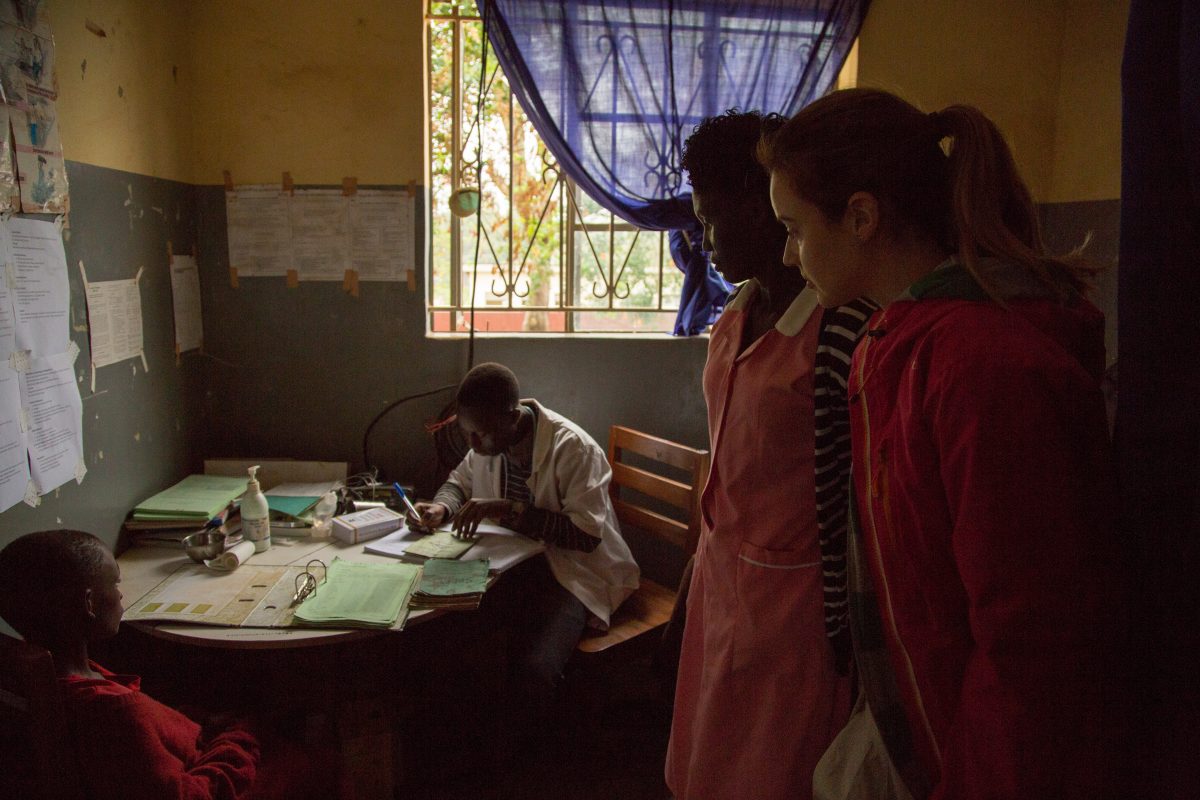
840 330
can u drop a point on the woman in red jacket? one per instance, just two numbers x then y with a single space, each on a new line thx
981 469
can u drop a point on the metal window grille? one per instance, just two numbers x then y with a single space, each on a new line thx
551 260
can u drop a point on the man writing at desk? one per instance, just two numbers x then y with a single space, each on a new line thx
540 474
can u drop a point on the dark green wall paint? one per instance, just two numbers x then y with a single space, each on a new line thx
144 423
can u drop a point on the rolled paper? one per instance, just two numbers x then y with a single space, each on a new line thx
231 558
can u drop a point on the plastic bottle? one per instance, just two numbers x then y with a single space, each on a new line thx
256 516
323 514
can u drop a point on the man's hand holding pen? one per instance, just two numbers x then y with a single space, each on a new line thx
466 522
431 516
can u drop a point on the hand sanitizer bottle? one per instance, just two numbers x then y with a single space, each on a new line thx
256 516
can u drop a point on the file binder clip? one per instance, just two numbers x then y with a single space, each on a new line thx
306 582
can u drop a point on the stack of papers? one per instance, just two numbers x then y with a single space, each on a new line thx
440 544
193 501
453 584
503 547
297 499
360 595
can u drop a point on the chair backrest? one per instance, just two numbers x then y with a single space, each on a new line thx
682 494
34 734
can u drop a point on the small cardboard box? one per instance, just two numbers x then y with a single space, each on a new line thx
361 526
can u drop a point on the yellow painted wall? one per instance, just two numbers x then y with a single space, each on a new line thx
124 98
183 89
1087 142
1047 71
321 89
1000 56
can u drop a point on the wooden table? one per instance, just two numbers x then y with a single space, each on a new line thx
365 681
143 567
360 680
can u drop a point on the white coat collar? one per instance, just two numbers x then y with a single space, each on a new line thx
793 320
543 441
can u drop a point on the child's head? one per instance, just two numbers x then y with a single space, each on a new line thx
730 192
59 587
865 148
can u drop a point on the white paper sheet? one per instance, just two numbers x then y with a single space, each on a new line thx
114 320
504 548
303 489
14 457
40 287
319 235
504 551
185 297
54 409
381 235
8 319
259 228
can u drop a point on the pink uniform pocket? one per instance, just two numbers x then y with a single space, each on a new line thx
780 606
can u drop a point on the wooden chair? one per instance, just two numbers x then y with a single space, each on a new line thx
652 605
33 726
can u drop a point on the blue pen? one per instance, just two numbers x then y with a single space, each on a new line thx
216 521
412 509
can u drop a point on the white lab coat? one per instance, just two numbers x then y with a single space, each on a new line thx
569 474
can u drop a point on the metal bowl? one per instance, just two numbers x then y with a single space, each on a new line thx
203 545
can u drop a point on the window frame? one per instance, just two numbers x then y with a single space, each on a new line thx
578 230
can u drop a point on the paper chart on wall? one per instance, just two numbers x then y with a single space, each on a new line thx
8 319
10 192
28 74
319 235
115 321
259 230
37 269
54 410
14 458
381 235
185 299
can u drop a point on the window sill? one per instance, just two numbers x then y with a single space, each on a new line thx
642 337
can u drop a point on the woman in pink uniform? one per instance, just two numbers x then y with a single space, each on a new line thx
758 695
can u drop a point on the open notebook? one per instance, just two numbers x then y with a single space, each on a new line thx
502 547
260 596
360 595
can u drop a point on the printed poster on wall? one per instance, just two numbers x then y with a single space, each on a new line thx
14 457
259 225
381 235
54 412
320 233
185 300
41 425
319 251
29 79
115 321
10 193
36 267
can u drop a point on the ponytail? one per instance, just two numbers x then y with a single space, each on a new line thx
993 213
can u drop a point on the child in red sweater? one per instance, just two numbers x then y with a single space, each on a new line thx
59 590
